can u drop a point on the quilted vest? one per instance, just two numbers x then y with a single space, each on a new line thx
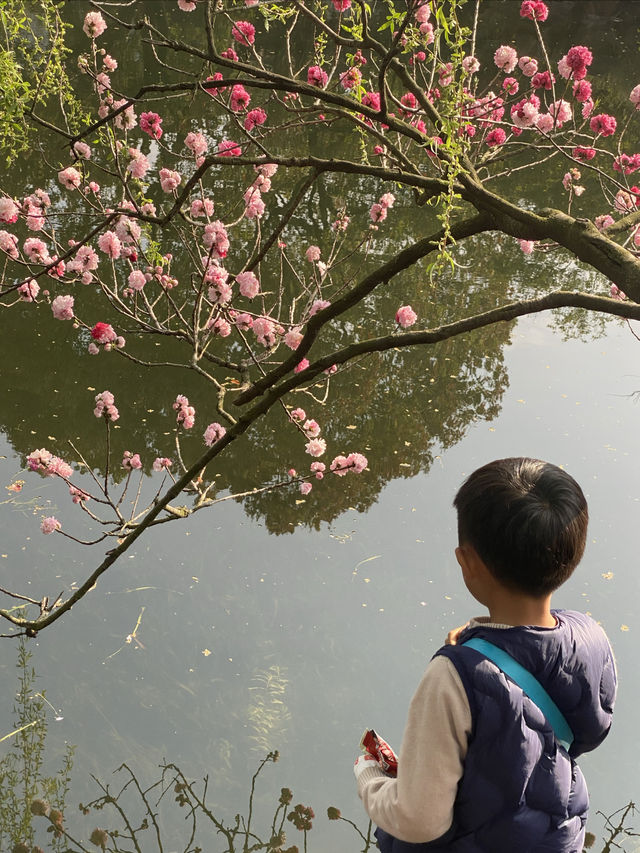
521 792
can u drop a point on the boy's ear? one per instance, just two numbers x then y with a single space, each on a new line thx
468 559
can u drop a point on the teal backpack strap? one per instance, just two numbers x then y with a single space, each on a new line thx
529 684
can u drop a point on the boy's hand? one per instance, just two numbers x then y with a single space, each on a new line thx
362 762
452 636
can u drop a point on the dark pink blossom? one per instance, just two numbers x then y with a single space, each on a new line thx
317 77
103 333
603 124
227 148
229 53
535 10
150 124
244 32
239 99
583 154
254 118
581 91
497 136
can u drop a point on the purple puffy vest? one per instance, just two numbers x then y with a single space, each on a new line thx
521 792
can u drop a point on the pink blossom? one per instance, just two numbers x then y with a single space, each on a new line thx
339 466
92 349
560 111
311 428
94 24
255 118
78 495
36 250
202 207
313 254
264 330
62 307
406 316
378 213
255 206
229 53
248 284
318 468
315 447
9 244
616 293
161 462
186 413
583 154
85 260
582 91
82 150
196 142
220 326
220 293
103 333
110 244
471 64
525 112
578 59
625 202
105 407
109 62
139 164
602 222
627 164
227 148
564 69
422 13
527 246
70 178
528 65
545 123
603 125
587 107
187 5
126 119
543 80
387 200
510 85
351 78
634 97
318 305
214 432
215 239
302 365
137 279
372 100
495 137
305 487
9 210
29 290
298 414
317 77
150 124
50 524
535 10
293 338
239 99
131 461
211 90
169 180
505 58
244 32
267 170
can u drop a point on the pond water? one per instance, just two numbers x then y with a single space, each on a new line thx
216 640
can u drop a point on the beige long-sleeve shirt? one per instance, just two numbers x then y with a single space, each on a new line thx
417 806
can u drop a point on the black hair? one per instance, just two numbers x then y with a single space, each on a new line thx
527 521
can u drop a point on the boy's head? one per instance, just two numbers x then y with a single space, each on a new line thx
527 521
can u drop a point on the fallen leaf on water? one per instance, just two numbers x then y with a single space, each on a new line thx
206 652
624 627
607 575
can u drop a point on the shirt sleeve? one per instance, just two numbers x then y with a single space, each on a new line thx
417 806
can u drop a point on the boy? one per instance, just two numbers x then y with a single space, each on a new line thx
481 770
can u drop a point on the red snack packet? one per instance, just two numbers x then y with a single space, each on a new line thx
380 750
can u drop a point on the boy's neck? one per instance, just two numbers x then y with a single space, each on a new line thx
515 609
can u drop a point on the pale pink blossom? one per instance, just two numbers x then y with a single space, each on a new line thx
305 487
560 111
545 123
202 207
312 254
110 244
109 62
243 321
268 170
82 150
227 148
215 239
602 222
378 213
62 307
298 414
137 279
70 178
36 250
318 468
29 290
265 331
527 246
293 338
139 164
186 5
406 316
354 462
528 65
301 365
85 260
186 414
169 180
50 524
126 119
220 293
616 293
624 201
214 432
634 97
131 461
9 244
220 327
161 462
422 13
318 305
248 284
471 64
93 349
105 407
255 206
78 495
311 428
94 24
315 447
196 142
505 58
